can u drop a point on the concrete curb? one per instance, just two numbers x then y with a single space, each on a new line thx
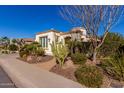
25 75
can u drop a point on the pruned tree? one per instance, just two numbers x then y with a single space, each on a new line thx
95 19
19 42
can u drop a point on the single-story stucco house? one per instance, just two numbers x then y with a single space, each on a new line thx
47 37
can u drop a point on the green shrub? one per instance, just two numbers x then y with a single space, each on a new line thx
31 49
40 51
89 76
24 51
83 47
114 66
78 58
120 51
111 44
13 47
5 51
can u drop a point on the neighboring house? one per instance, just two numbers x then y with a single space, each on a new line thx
27 40
47 37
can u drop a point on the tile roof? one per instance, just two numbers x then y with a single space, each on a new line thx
48 31
28 39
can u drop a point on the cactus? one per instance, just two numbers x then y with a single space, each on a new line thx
60 52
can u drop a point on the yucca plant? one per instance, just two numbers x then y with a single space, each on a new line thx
115 66
60 52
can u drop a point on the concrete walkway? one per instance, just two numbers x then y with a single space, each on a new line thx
26 75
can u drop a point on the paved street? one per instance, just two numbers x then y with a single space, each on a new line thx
5 81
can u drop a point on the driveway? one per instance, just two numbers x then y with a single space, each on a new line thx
25 75
5 81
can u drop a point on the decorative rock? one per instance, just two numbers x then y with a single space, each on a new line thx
106 82
31 59
116 84
68 64
39 59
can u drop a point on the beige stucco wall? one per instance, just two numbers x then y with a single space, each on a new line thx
51 38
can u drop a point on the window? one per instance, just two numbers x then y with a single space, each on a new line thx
44 41
57 38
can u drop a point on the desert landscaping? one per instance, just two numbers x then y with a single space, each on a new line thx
88 55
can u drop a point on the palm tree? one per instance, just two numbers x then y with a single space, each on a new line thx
5 41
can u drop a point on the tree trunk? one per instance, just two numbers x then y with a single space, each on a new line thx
94 56
97 47
72 49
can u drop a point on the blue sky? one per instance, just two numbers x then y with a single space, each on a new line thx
26 21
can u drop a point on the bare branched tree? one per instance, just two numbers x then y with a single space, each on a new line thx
95 19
